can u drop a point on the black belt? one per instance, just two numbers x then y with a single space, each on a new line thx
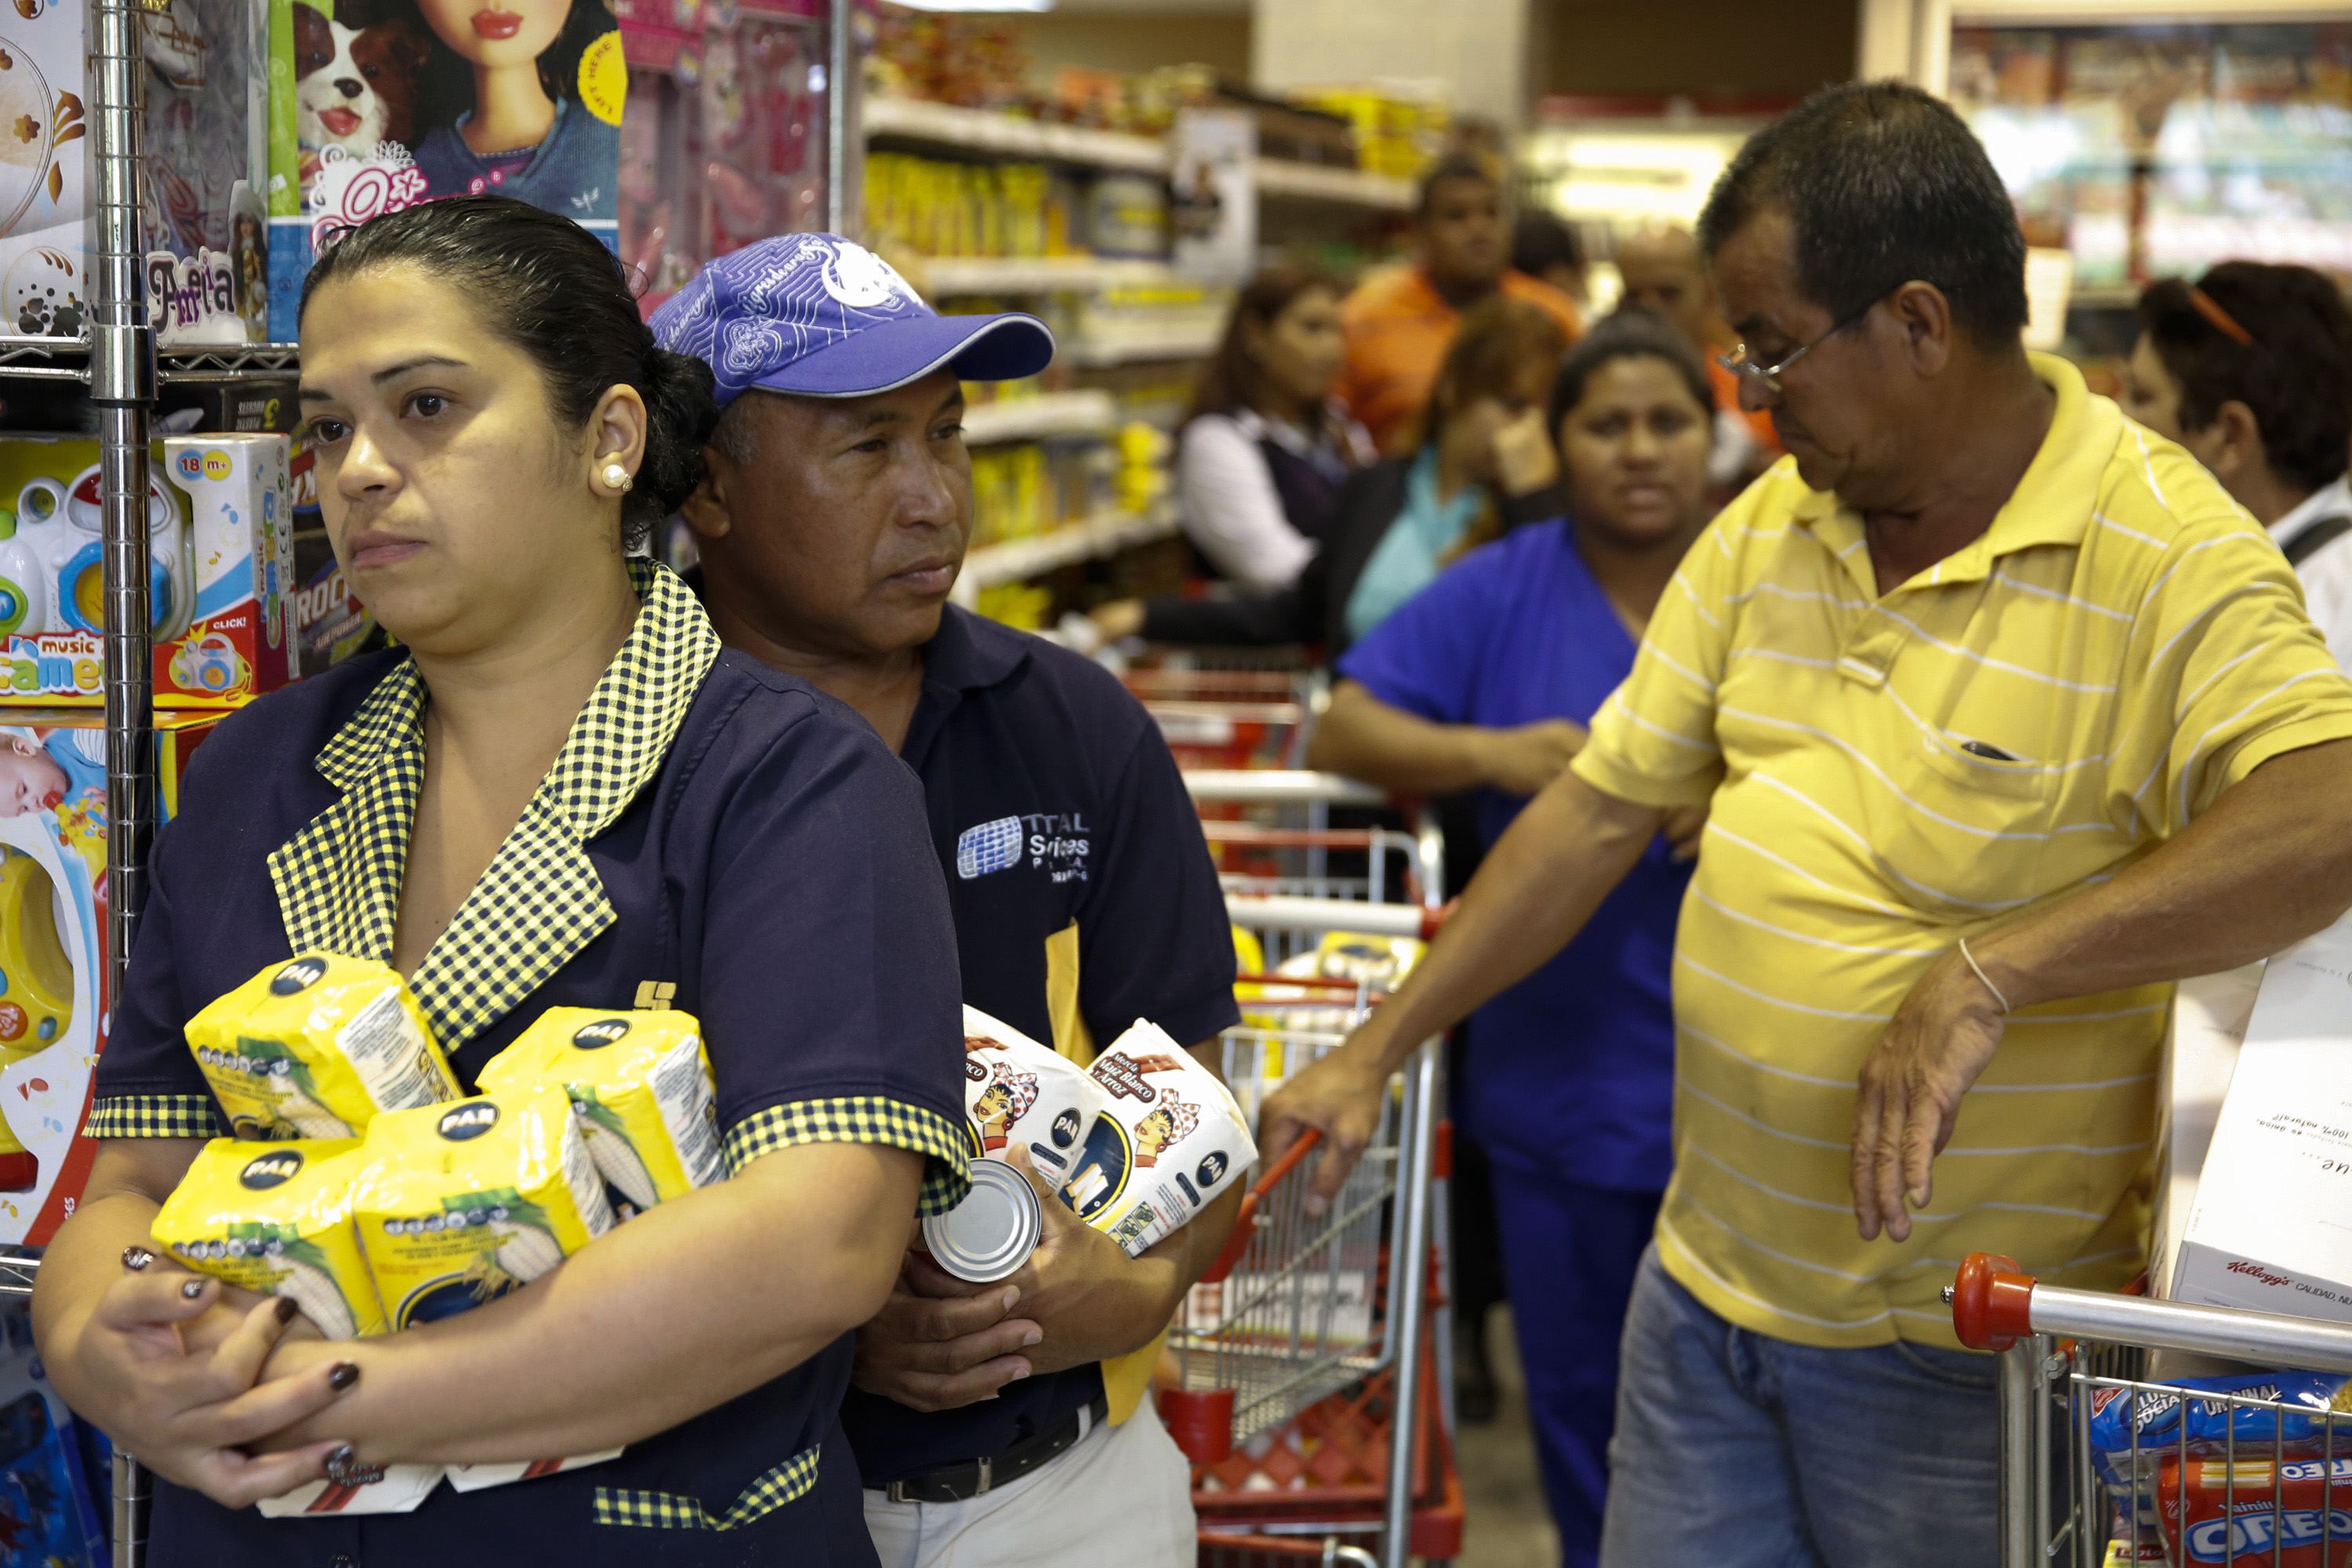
975 1477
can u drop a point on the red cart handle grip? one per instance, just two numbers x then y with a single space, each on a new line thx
1246 1222
1992 1302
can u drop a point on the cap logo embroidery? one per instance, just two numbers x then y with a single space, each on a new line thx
862 280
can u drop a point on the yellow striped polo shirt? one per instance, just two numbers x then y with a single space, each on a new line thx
2127 633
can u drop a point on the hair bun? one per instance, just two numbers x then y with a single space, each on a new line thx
681 412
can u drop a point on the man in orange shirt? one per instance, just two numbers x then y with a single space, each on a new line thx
1662 271
1399 322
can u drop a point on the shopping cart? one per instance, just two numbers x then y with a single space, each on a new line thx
2274 1500
1231 718
1304 1386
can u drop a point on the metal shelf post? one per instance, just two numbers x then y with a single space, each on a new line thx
122 386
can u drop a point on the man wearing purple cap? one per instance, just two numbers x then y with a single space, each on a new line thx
1006 1423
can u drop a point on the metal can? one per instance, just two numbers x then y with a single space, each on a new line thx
990 1235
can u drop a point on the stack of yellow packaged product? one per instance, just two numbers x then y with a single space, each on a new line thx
426 1204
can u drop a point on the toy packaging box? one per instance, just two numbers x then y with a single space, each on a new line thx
201 203
53 910
221 567
380 104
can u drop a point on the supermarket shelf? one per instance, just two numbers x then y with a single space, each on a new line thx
1038 418
203 362
1018 559
977 131
1195 341
1315 183
952 275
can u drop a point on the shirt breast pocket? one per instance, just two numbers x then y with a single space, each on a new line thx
1973 831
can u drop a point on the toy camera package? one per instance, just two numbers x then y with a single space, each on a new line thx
1135 1144
379 105
53 969
276 1219
319 1048
220 565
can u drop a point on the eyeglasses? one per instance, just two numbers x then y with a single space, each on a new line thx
1766 378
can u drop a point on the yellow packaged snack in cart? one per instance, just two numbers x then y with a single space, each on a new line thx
457 1204
276 1218
316 1048
640 1084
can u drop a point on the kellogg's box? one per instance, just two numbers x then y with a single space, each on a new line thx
220 560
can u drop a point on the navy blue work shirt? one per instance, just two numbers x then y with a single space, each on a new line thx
1571 1072
715 836
1084 899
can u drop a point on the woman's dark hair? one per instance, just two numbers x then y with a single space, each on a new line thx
1884 183
445 87
1495 342
2296 377
1540 241
549 288
1232 380
1631 331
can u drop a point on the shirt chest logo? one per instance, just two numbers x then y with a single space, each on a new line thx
1057 842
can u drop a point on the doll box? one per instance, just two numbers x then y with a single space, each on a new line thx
54 987
221 566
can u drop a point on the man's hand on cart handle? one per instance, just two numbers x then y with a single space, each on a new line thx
188 1415
1340 1096
1908 1097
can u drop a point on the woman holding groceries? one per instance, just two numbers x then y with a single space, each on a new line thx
558 791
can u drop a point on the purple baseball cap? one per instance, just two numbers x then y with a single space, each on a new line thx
816 316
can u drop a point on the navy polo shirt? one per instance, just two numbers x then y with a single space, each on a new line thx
1084 899
768 871
1571 1072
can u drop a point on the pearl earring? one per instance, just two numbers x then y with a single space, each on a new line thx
619 479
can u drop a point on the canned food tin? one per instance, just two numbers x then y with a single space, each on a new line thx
990 1235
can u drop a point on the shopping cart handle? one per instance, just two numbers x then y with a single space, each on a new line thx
1991 1301
1246 1222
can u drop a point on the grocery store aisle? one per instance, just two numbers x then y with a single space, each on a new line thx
1508 1526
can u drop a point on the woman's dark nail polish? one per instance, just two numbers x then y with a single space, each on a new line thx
193 1289
287 1308
136 1258
345 1374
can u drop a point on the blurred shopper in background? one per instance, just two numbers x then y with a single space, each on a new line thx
1480 465
1662 271
1264 451
2251 369
2006 717
1485 682
1400 321
1547 250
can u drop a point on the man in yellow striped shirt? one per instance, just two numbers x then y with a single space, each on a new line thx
2007 717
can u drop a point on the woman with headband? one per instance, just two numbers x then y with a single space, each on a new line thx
2251 369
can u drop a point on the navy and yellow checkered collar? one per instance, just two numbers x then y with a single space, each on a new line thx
540 901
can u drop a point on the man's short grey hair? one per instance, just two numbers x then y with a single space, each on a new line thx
736 436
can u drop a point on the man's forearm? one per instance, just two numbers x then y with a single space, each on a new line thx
1537 885
2268 864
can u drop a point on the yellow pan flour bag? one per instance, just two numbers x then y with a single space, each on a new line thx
315 1048
640 1084
457 1204
276 1218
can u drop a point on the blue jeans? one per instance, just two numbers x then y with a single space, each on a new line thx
1740 1451
1571 1254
